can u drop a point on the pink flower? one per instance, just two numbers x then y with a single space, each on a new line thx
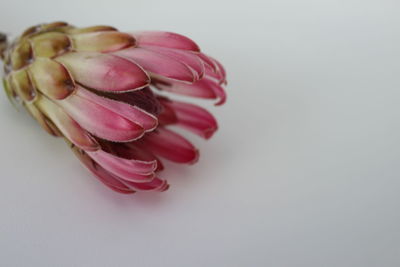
99 89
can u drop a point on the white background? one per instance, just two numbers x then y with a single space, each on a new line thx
304 170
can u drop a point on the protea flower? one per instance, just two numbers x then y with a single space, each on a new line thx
99 89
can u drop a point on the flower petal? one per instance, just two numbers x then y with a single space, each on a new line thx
100 173
135 114
167 116
100 28
144 99
46 124
10 91
23 85
51 78
105 72
220 68
21 54
103 41
50 44
193 118
205 88
170 145
137 151
69 128
189 59
156 184
99 119
165 39
158 64
127 169
213 68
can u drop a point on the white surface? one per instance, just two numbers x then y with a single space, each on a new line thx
304 170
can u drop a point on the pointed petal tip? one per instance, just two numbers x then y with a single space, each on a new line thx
165 188
208 133
105 72
195 158
221 101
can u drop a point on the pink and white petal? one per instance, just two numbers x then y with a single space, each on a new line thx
134 165
66 125
170 145
158 64
156 184
165 39
101 174
130 170
138 151
208 61
206 88
221 68
110 180
160 165
105 72
193 118
219 91
187 58
215 75
99 120
134 114
213 68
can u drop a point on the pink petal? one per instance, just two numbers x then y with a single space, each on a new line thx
100 120
165 39
155 185
127 169
205 88
135 165
208 61
66 125
167 116
218 90
215 75
105 72
189 59
134 114
111 181
213 68
171 146
193 118
221 68
158 64
133 151
140 152
100 173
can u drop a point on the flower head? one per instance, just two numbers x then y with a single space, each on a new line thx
99 89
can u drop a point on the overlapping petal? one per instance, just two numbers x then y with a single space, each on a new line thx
94 87
205 88
165 39
105 72
101 120
170 145
158 64
191 117
67 125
